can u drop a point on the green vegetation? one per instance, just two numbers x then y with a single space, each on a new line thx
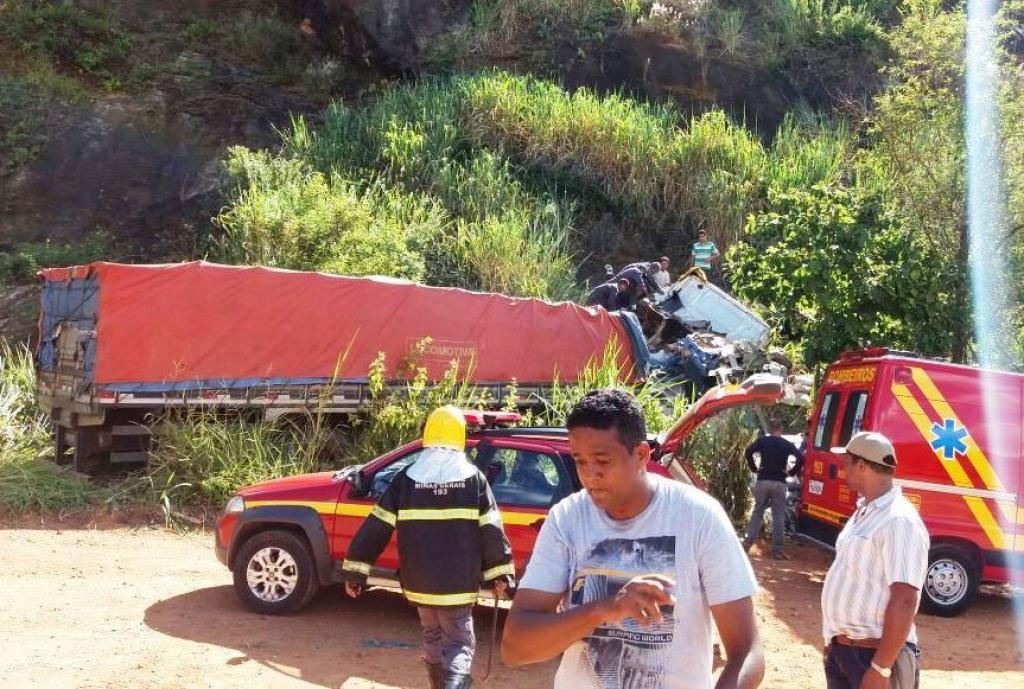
890 239
260 36
286 215
28 101
83 42
22 135
715 451
433 206
871 262
761 34
28 478
201 459
657 167
486 164
19 264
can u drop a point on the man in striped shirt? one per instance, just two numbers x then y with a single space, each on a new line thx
873 588
703 252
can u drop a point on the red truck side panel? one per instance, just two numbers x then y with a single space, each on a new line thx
206 322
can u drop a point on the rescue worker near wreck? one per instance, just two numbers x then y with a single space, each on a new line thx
450 538
612 295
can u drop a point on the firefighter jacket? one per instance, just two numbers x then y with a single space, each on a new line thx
450 539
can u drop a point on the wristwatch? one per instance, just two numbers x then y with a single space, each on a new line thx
885 672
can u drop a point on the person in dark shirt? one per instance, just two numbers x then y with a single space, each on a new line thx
611 295
641 277
770 489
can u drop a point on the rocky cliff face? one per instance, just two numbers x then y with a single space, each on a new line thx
395 34
144 166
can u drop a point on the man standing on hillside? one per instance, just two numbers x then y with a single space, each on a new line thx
450 539
770 489
873 587
627 574
704 253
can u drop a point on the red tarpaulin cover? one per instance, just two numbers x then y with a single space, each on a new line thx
204 322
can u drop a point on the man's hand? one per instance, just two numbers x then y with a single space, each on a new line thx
641 598
353 589
500 587
873 680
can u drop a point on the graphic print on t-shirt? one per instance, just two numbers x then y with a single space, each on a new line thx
625 655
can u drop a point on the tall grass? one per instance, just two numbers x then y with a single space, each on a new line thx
776 30
286 215
202 458
396 415
510 237
28 477
661 408
635 154
467 181
809 149
729 28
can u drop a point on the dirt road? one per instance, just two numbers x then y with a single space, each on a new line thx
147 608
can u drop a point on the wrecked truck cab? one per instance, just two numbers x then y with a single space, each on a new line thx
693 300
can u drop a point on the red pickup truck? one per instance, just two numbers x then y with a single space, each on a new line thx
285 538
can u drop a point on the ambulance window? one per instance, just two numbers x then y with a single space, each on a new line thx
853 418
826 421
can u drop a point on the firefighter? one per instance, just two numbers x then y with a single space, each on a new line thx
450 539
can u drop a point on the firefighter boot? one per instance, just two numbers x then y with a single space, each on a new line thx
457 680
435 673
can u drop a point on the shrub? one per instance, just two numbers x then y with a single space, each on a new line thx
715 451
506 236
28 477
19 265
818 258
287 216
78 40
706 174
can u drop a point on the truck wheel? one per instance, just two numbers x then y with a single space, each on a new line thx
951 583
274 573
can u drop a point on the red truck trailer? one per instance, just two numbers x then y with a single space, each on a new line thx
958 436
120 343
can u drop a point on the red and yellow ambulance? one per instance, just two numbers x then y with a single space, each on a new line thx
958 437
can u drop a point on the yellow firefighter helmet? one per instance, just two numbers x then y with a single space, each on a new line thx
446 427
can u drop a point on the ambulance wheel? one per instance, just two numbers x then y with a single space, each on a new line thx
274 573
952 581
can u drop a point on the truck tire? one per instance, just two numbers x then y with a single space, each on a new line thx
274 573
952 581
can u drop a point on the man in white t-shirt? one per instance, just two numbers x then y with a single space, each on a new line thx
627 575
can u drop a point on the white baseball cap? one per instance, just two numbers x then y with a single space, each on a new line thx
874 447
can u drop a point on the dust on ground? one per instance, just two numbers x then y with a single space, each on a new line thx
110 606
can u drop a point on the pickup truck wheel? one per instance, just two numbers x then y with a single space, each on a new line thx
951 583
274 573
